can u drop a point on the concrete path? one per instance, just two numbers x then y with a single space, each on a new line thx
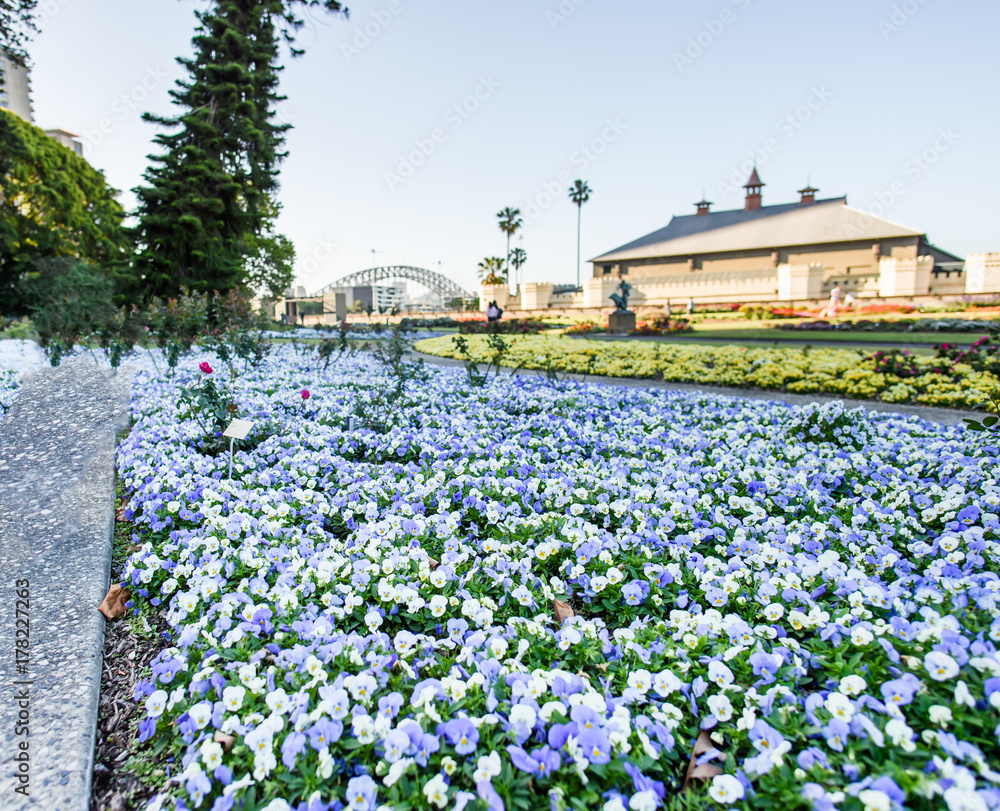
57 511
943 416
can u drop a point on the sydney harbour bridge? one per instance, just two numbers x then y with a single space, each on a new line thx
435 282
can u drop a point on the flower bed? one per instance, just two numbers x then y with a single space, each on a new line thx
662 325
841 372
367 621
885 309
9 384
509 326
899 325
585 328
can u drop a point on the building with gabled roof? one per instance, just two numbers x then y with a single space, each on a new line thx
789 252
785 252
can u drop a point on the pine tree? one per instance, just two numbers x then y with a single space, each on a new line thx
206 216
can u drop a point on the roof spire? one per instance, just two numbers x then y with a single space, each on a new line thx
754 180
808 193
753 187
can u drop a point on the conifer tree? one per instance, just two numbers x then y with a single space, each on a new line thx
206 214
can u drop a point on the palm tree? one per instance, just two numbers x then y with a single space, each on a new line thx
510 221
491 271
518 257
579 193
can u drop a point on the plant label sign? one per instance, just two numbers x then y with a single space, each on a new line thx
238 429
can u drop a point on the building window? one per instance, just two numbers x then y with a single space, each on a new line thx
608 269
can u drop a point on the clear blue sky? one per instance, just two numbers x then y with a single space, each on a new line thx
670 99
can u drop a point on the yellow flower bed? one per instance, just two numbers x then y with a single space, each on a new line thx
842 372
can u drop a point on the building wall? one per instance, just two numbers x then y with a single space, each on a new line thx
67 139
899 275
948 283
15 93
983 273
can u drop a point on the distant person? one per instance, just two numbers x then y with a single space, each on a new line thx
493 312
690 307
834 305
849 299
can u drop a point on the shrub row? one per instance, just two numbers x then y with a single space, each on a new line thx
842 372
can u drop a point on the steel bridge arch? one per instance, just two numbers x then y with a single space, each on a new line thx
430 279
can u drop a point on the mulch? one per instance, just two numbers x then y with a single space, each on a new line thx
126 661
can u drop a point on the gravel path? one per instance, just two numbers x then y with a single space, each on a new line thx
57 488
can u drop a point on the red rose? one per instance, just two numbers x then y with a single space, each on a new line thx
205 367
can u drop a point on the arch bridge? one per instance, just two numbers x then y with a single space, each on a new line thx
430 279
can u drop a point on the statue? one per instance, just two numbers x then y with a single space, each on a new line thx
621 301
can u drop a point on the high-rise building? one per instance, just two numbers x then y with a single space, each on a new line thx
15 88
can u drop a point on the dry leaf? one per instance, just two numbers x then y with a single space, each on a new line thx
563 611
113 605
434 563
705 771
227 741
120 513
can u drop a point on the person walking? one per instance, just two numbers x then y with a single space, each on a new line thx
833 306
492 312
690 307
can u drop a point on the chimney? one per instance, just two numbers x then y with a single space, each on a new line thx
753 187
702 207
808 195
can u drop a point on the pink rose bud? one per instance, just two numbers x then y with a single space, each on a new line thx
205 367
305 394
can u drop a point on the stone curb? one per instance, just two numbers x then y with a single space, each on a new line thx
57 512
942 416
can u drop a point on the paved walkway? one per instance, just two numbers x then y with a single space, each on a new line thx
57 510
943 416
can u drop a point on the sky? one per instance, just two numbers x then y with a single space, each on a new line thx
416 121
